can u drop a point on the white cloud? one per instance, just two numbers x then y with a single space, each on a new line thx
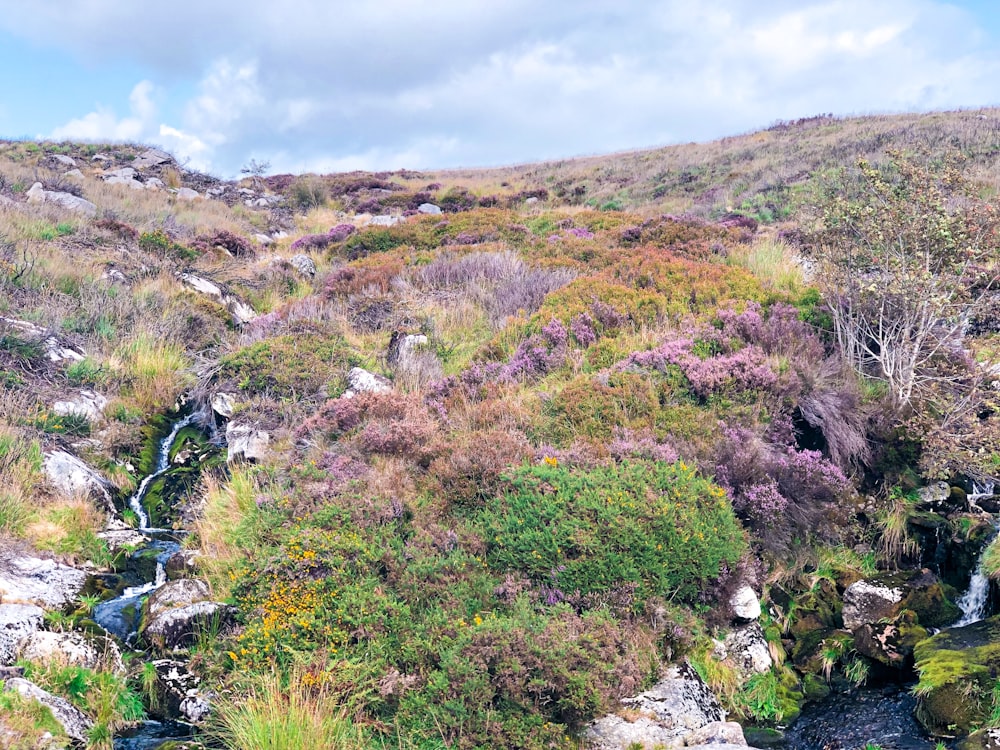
321 84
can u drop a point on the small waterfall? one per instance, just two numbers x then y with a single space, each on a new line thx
162 464
974 600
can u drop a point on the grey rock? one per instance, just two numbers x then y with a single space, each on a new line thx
747 648
71 476
122 539
38 194
87 403
745 603
402 347
178 628
17 621
154 183
101 157
114 276
263 239
177 594
865 602
428 208
935 493
151 158
74 174
187 194
360 380
246 441
54 350
67 161
202 285
178 692
242 312
673 708
73 648
74 722
385 220
46 583
303 264
224 404
531 201
718 732
124 174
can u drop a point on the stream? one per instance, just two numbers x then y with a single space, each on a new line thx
145 572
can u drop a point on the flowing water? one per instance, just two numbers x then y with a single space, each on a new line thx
975 600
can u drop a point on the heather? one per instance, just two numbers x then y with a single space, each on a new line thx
502 464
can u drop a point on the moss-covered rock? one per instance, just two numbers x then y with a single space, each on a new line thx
814 687
885 596
984 739
957 669
890 643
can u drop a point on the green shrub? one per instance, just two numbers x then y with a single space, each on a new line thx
660 527
160 243
309 192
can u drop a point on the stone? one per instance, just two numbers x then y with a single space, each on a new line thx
747 648
71 476
151 158
745 604
303 264
402 347
73 174
37 194
934 494
17 621
46 583
866 602
73 648
178 628
181 564
114 276
68 161
247 442
100 157
718 732
673 708
73 721
385 220
87 403
531 201
890 643
263 239
123 174
187 194
224 404
178 692
54 350
360 380
202 285
177 594
242 312
119 540
154 183
428 208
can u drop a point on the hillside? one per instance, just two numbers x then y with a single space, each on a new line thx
463 459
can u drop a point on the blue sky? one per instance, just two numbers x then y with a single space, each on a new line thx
330 85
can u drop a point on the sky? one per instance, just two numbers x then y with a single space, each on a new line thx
338 85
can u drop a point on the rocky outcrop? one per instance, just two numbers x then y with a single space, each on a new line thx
177 612
73 648
747 649
74 203
242 312
672 709
73 721
54 350
402 347
224 404
885 596
869 602
246 442
87 403
717 733
187 194
46 583
153 157
891 642
71 476
17 621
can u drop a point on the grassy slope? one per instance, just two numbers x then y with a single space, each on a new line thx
390 557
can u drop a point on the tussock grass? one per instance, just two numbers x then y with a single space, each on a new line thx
154 371
222 530
772 261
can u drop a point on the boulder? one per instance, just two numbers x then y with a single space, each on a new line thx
428 208
122 539
177 594
151 158
86 403
123 174
66 161
892 642
718 732
934 495
187 194
73 648
224 404
384 220
17 621
74 174
242 312
37 194
46 583
73 721
178 692
303 264
746 647
745 604
402 347
203 286
181 564
361 381
868 602
178 628
676 706
154 183
263 239
71 476
957 669
886 595
54 350
246 441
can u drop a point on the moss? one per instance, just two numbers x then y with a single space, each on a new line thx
790 696
814 688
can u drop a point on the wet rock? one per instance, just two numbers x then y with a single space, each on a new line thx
957 669
181 564
17 621
247 442
74 722
934 495
885 596
178 692
890 643
73 648
87 403
745 604
119 540
746 647
179 628
362 381
984 739
46 583
673 708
